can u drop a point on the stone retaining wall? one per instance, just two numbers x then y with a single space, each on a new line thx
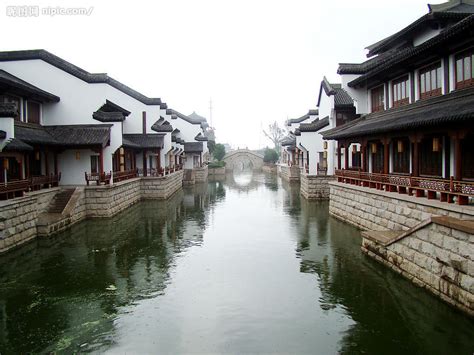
269 168
216 171
315 187
200 174
371 209
289 173
436 257
18 217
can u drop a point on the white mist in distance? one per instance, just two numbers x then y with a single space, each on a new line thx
260 61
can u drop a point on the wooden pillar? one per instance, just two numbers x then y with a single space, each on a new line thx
144 122
20 168
55 163
200 159
27 165
415 157
46 162
144 164
363 157
457 158
158 161
346 155
386 155
101 160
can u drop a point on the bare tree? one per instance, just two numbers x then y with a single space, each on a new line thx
275 134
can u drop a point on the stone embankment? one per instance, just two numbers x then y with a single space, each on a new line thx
429 242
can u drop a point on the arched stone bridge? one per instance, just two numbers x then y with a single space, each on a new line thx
243 159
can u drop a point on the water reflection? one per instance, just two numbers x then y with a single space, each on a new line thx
230 266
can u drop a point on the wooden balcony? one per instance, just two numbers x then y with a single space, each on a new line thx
446 190
98 178
17 188
125 175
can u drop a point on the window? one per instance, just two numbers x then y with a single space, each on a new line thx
377 99
356 158
401 156
430 81
431 161
33 112
465 69
94 164
400 92
14 100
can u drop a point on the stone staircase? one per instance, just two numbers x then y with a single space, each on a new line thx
59 212
60 201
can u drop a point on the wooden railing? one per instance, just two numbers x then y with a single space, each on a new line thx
160 172
445 189
17 188
99 178
125 175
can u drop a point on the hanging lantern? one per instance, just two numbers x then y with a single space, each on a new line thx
325 145
354 149
37 155
78 155
436 147
325 155
6 164
400 146
373 148
121 151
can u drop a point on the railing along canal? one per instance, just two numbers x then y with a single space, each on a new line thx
17 188
444 189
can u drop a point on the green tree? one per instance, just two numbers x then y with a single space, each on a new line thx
219 151
270 155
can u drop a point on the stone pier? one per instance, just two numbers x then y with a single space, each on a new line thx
315 187
289 173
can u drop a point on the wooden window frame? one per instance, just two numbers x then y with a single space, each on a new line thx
380 105
427 69
404 100
465 82
27 116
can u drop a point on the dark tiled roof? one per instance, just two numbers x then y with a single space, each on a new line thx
201 138
108 116
193 147
3 134
297 132
180 141
361 68
129 144
163 106
162 126
197 117
109 106
145 140
69 136
439 111
302 118
289 140
8 110
16 85
16 145
77 72
341 97
174 114
315 126
448 35
446 11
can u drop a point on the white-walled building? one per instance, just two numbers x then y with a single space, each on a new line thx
62 122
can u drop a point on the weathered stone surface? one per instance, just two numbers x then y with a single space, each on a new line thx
289 173
315 187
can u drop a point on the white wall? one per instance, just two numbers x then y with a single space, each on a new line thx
313 142
359 95
7 125
72 169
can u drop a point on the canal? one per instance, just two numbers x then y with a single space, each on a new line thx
237 266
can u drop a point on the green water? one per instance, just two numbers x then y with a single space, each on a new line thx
239 266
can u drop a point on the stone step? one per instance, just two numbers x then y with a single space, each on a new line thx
60 201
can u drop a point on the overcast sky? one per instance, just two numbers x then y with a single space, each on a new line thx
259 60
